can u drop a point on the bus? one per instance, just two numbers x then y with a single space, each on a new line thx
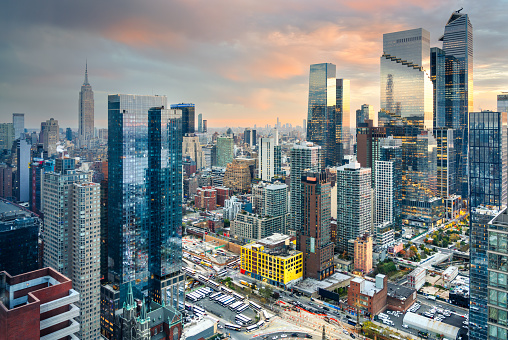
245 283
192 298
223 272
242 318
223 298
228 301
233 327
226 290
238 296
218 297
214 295
242 308
254 306
214 285
235 305
251 328
199 310
267 315
202 278
188 307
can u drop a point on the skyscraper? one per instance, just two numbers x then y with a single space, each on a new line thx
437 74
18 121
200 123
366 112
446 158
345 122
458 47
313 238
188 116
304 156
354 210
86 112
50 135
269 153
225 151
6 135
144 196
488 166
502 102
22 181
406 87
322 110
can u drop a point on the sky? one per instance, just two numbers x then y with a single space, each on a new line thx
242 62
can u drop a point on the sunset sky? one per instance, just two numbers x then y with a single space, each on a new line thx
242 62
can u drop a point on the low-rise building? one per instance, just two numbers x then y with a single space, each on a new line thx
400 298
368 296
416 279
450 273
343 265
273 260
385 235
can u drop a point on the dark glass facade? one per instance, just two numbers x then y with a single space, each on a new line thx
437 74
487 192
188 116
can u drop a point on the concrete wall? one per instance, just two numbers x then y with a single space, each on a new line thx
232 247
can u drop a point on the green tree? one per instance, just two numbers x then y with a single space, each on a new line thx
226 223
266 292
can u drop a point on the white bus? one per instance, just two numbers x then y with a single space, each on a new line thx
238 296
214 295
226 290
223 298
242 318
235 305
255 306
197 309
228 301
192 298
242 308
267 315
251 328
233 327
223 272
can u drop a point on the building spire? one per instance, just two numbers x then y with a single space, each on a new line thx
130 297
86 73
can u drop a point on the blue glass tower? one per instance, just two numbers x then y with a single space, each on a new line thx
487 189
144 195
437 75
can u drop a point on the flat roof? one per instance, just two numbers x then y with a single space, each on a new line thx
399 292
310 285
7 207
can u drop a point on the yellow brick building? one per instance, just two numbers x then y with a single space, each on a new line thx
273 260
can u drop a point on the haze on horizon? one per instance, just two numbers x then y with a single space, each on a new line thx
241 65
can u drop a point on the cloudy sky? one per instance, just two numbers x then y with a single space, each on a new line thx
242 62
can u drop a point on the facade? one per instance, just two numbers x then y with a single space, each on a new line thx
206 198
389 187
363 253
85 264
50 132
86 130
314 237
502 102
18 122
354 212
458 47
18 230
304 156
368 296
6 136
345 121
188 116
145 198
269 159
232 206
22 177
406 87
368 143
446 158
366 112
273 260
400 298
192 148
6 182
416 279
438 77
225 151
238 174
44 306
385 235
249 226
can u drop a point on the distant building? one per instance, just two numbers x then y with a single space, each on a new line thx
6 136
42 297
6 182
270 199
416 279
385 235
206 198
225 150
86 130
450 273
50 133
232 207
22 177
254 227
368 296
363 253
18 122
400 298
269 159
238 175
188 116
259 258
191 147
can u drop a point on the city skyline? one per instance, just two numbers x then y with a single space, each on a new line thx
253 67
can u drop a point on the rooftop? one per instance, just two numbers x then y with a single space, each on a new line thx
399 292
310 286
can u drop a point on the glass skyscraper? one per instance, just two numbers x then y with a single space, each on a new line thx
488 194
144 195
188 116
458 47
406 86
437 74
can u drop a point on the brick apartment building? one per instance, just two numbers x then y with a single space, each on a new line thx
367 295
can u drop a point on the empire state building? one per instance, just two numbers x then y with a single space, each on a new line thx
86 112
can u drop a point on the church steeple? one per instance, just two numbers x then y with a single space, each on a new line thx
86 74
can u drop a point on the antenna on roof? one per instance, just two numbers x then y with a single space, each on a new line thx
460 9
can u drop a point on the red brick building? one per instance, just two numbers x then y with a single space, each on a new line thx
206 198
36 304
223 194
367 295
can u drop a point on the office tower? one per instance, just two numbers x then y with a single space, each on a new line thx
86 112
205 126
200 123
321 117
445 162
488 194
304 125
267 159
188 116
458 47
6 181
18 122
6 135
367 141
85 227
68 134
247 138
345 123
19 239
144 197
438 77
254 139
225 150
366 112
48 310
304 156
104 222
313 238
239 174
22 182
50 133
354 206
363 253
502 102
191 147
278 123
406 88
